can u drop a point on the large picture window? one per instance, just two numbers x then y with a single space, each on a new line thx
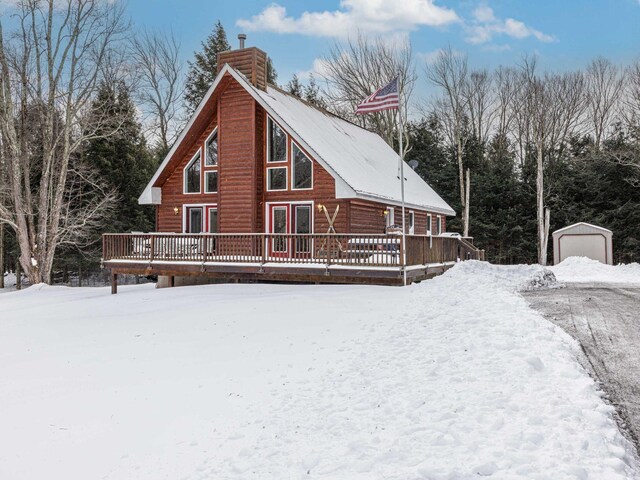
211 150
277 178
192 175
276 142
211 182
302 170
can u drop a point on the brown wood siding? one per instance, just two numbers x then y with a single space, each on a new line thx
236 146
260 116
172 196
251 62
322 193
367 217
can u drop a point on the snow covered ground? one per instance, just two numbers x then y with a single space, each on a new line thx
585 270
454 378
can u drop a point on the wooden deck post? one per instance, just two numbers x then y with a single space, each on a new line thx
114 283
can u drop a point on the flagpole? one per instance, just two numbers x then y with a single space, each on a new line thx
401 155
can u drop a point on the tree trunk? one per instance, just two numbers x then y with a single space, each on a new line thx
463 196
467 196
18 276
542 226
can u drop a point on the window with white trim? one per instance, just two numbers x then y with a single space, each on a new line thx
211 150
276 142
302 225
195 220
390 220
192 174
213 220
429 223
277 178
302 170
412 222
211 181
438 225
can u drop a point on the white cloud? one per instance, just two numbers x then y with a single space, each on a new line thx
485 26
371 16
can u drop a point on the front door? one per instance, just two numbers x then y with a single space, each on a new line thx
303 243
279 224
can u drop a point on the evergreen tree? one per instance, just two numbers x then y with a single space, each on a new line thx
309 92
294 87
272 75
122 158
203 70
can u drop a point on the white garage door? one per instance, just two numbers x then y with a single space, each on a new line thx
591 246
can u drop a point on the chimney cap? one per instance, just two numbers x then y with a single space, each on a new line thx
242 37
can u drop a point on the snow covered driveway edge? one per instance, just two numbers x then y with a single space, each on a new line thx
586 270
524 370
454 378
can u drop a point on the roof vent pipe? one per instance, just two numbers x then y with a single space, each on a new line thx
242 37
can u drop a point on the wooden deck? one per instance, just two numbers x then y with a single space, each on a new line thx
333 258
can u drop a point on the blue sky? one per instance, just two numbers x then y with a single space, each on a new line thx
565 34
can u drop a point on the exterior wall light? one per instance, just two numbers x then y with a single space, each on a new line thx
176 210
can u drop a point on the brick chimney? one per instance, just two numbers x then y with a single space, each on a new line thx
251 62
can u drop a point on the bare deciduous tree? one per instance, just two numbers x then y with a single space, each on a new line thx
357 69
551 107
605 84
450 73
160 84
50 67
631 104
481 104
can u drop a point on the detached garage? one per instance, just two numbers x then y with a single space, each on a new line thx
583 240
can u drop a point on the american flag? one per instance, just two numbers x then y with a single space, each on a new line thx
386 98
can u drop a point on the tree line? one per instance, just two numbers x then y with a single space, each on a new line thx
517 151
88 109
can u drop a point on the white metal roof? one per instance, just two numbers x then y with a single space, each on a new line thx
362 163
579 225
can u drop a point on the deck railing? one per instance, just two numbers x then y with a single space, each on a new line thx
375 250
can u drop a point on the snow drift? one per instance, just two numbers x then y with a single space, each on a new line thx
586 270
454 378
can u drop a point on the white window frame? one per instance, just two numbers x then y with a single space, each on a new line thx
391 217
412 222
438 224
286 143
293 167
205 211
207 172
184 174
286 178
186 220
209 210
429 223
206 155
292 205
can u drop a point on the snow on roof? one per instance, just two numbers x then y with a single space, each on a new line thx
362 163
362 159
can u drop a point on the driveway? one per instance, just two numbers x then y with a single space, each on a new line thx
605 319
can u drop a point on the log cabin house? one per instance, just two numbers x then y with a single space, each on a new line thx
262 185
